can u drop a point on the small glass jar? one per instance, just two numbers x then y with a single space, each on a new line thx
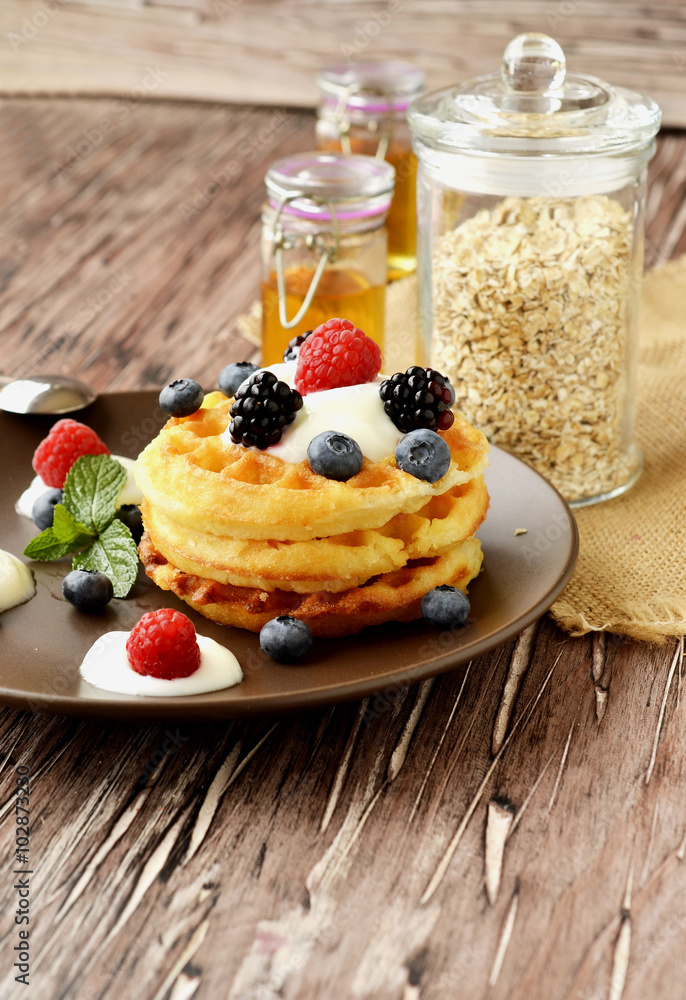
363 110
531 192
324 246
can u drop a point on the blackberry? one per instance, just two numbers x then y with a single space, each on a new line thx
262 408
294 345
418 398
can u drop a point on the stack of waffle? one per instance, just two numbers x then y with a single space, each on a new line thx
242 536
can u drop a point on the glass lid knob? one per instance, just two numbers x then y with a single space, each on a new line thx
533 63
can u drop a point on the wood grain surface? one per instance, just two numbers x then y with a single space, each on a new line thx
268 51
515 830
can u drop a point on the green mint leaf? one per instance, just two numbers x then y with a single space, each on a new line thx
115 554
91 489
69 531
47 546
66 535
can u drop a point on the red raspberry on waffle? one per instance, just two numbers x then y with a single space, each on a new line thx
334 355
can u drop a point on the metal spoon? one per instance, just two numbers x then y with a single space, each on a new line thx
45 394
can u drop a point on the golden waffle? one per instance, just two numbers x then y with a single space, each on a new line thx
243 536
334 563
197 480
391 597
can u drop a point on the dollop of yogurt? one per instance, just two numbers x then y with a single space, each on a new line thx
355 410
16 581
107 666
130 493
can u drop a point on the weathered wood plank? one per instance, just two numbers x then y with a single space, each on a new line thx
268 52
289 857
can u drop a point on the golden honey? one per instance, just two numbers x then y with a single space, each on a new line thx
402 216
341 292
401 222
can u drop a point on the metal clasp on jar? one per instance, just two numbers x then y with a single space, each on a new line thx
314 242
383 125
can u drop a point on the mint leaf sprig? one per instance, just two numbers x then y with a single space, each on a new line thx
84 523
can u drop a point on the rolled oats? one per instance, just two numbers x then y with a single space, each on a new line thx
533 307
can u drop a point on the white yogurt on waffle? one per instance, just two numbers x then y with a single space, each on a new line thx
107 666
130 494
16 581
355 410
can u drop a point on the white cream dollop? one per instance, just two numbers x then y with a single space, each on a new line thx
130 493
24 504
16 581
355 410
107 666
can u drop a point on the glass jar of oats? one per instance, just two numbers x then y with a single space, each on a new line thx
323 246
363 110
531 191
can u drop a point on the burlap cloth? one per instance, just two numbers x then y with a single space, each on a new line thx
631 573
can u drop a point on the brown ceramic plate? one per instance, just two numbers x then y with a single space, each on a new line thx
43 642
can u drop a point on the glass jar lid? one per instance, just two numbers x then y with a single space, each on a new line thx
371 88
317 185
534 106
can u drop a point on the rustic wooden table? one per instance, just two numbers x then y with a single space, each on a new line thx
515 829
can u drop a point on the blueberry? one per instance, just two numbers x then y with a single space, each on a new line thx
423 454
234 375
285 639
449 385
130 515
181 398
87 589
334 455
445 607
44 508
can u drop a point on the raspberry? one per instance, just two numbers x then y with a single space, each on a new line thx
67 441
336 354
418 398
163 644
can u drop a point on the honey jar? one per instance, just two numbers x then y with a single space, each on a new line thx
363 110
324 246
